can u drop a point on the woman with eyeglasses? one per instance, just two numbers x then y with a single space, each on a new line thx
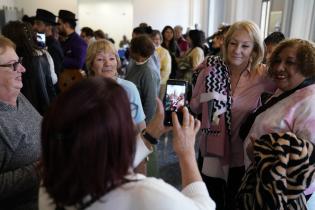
19 135
40 76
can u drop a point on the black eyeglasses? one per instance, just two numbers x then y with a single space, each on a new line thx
14 65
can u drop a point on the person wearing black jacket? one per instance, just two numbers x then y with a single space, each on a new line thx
44 23
39 78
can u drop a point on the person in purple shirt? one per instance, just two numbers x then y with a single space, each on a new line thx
74 47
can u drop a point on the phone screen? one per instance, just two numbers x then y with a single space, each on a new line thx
174 101
41 39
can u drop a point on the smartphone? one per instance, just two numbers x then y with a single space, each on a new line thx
174 100
41 40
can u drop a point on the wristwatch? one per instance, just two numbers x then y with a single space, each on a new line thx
148 137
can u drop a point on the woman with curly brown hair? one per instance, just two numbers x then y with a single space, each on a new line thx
292 67
290 109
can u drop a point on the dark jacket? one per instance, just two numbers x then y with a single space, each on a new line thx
74 49
55 50
38 87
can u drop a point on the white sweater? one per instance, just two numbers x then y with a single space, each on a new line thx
144 193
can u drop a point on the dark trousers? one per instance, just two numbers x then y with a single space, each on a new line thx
221 192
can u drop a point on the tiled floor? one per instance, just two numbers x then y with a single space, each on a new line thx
164 163
168 162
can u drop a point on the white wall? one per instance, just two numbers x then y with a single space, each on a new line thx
54 6
114 18
302 19
215 7
159 13
227 11
242 10
8 3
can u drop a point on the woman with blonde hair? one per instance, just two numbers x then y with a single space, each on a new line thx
227 90
102 60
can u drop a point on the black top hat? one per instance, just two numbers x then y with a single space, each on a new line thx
66 15
28 19
46 16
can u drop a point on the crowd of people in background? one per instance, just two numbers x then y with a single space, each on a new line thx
102 115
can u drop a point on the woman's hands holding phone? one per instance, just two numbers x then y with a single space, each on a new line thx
184 136
182 132
155 127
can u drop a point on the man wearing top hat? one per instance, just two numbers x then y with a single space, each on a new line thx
74 47
44 22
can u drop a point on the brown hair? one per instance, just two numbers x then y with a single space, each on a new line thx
305 55
101 45
88 141
23 36
142 45
99 34
253 31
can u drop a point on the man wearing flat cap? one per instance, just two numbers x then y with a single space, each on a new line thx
44 22
74 47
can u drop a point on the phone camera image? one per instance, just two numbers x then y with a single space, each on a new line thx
41 40
174 100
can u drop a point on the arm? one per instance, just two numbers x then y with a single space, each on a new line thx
136 107
166 65
194 195
77 58
195 104
57 55
49 85
155 128
52 68
149 94
304 118
197 57
183 144
16 181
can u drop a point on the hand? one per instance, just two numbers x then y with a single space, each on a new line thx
184 136
156 126
250 149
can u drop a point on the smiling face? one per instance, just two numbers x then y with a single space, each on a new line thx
105 64
10 75
239 49
285 69
8 57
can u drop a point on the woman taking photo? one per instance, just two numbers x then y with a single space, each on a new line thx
227 90
88 153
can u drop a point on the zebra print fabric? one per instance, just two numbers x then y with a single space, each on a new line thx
284 167
218 81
